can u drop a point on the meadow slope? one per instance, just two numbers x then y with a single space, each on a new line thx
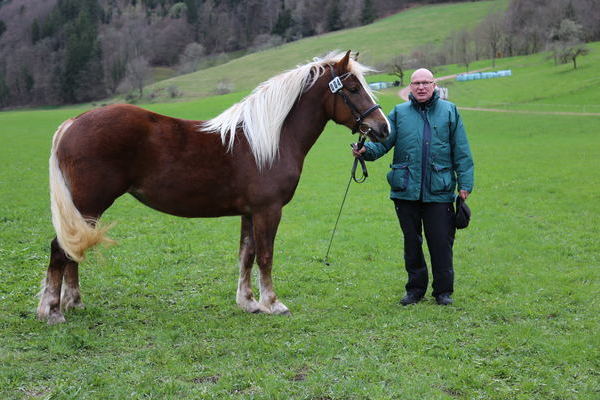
403 32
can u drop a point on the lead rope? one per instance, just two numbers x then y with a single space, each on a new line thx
363 178
361 160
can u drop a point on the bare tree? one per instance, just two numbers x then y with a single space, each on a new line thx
169 39
115 54
491 31
397 67
588 13
265 41
459 48
425 56
575 51
566 44
464 48
191 57
351 13
137 75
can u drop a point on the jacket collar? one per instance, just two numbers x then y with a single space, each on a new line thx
427 104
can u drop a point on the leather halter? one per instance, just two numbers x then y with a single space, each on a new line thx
335 86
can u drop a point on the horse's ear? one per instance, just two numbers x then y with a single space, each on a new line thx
356 56
342 65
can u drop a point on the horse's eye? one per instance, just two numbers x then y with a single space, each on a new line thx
353 89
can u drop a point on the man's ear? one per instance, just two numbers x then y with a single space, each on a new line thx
342 66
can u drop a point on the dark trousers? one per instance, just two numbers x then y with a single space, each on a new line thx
437 219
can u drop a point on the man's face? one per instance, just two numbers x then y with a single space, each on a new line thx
422 85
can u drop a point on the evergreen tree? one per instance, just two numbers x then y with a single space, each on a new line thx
192 12
81 75
334 21
368 12
570 11
35 32
284 22
4 92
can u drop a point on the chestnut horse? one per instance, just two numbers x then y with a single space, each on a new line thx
247 161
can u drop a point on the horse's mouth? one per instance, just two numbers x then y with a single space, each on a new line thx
379 133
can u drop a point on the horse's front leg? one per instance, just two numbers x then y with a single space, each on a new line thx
265 227
245 298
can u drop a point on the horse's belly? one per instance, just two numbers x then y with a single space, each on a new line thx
204 187
190 203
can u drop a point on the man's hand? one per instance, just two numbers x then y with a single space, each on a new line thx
463 194
357 153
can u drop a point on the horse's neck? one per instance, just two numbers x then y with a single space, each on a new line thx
303 125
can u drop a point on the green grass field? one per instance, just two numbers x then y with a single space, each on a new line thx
161 321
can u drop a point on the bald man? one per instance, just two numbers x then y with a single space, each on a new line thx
432 161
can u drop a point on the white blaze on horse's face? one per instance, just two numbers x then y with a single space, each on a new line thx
379 110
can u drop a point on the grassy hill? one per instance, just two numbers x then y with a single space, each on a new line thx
377 43
536 84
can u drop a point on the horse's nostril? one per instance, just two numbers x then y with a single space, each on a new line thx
383 129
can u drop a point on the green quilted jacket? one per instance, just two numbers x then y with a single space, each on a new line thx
449 165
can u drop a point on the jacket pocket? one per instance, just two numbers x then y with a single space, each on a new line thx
398 176
441 179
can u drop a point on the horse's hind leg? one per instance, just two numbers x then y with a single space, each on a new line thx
70 296
49 307
265 228
245 297
60 291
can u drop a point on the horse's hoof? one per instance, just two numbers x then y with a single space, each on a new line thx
253 307
41 315
72 305
279 309
56 318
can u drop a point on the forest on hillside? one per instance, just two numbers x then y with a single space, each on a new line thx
70 51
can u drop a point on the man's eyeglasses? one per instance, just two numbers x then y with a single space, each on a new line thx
424 83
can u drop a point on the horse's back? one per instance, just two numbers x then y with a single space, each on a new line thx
105 150
113 129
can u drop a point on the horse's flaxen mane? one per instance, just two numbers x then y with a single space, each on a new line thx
261 114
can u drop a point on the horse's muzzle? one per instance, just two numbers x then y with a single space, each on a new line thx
378 132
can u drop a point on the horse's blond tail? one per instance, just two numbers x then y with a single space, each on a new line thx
75 233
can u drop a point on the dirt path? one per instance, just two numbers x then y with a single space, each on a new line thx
404 92
582 114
